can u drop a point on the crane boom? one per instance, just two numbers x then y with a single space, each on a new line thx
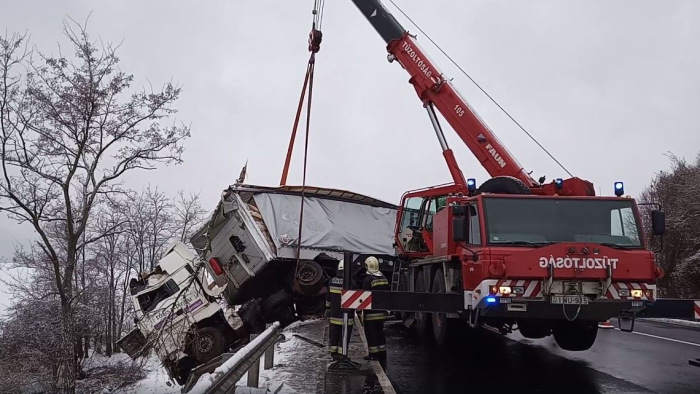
435 90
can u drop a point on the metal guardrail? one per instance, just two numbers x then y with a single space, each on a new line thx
247 359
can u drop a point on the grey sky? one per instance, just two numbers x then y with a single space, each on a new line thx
608 87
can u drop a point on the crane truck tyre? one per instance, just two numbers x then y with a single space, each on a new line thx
207 343
575 336
422 319
504 185
439 320
534 328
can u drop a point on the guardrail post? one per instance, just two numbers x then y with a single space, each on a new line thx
269 355
254 371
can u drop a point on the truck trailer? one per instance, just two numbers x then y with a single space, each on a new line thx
252 245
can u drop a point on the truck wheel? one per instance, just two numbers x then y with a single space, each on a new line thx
208 342
575 336
278 306
504 185
310 277
422 320
439 320
534 328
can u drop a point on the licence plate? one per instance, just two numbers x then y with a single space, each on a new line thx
569 300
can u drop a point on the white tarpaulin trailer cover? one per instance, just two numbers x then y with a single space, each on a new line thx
328 223
334 220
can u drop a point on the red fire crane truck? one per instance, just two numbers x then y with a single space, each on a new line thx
514 253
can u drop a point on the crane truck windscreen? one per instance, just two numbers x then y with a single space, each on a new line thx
543 221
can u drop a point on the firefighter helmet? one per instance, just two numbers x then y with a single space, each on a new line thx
340 266
372 264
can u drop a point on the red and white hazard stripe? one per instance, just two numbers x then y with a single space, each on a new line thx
697 310
613 292
356 299
531 288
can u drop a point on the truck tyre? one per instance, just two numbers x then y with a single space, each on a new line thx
207 343
439 320
278 306
422 319
504 185
575 336
534 328
310 277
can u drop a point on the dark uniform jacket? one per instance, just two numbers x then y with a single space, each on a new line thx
375 282
335 286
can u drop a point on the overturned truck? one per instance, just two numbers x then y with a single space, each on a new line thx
252 246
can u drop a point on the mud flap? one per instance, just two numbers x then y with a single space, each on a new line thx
625 321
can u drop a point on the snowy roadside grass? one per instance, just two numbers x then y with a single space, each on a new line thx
155 382
105 374
678 322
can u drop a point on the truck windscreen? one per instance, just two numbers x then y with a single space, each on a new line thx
541 221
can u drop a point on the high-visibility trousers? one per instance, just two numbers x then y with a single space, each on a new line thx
335 334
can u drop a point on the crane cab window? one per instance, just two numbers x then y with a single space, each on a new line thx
412 222
434 205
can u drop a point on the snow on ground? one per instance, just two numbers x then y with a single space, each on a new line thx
679 322
156 382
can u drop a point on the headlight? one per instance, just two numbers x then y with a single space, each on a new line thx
504 290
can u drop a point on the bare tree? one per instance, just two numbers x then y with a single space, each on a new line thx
188 214
677 190
69 132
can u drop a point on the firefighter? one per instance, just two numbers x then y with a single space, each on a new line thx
335 328
373 320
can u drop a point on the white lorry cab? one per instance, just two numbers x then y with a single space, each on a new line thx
177 314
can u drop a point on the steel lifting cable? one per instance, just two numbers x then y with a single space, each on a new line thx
314 46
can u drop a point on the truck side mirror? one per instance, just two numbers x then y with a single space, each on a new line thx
459 229
459 223
658 222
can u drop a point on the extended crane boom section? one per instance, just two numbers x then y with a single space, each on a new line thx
433 89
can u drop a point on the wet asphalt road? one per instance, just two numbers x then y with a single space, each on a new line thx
482 361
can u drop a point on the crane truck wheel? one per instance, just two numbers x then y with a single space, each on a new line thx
534 328
422 319
575 336
439 320
504 185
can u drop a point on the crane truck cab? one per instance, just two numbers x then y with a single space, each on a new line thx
548 265
177 315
